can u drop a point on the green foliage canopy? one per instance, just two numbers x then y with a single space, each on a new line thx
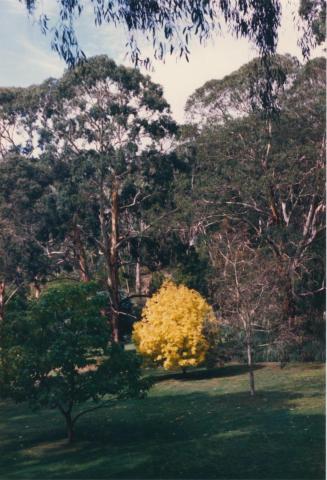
59 355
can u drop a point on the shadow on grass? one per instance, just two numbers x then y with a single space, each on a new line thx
203 374
186 436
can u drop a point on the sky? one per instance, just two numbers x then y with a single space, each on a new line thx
26 57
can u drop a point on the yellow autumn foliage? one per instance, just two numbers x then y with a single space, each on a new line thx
171 331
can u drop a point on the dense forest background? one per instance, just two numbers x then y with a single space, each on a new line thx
99 183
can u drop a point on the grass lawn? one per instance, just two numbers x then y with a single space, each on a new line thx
205 426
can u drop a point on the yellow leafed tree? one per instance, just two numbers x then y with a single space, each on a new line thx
171 331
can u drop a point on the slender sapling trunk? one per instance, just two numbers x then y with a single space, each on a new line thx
37 289
80 254
2 300
113 264
138 276
250 365
69 426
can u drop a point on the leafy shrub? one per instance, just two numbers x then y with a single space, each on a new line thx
172 329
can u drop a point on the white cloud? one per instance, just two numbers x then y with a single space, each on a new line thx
41 59
218 59
12 7
180 78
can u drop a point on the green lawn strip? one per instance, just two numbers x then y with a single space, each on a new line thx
186 428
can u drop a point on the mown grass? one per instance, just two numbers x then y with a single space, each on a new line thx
201 426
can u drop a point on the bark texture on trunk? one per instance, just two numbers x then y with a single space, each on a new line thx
113 264
289 303
2 300
250 365
80 254
69 422
69 427
273 206
37 289
110 239
138 286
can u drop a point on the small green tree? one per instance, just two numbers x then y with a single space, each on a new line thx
66 359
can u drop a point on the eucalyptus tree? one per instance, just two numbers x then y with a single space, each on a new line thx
24 183
168 25
29 198
111 127
104 134
272 183
239 94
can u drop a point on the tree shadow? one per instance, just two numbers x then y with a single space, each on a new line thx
204 374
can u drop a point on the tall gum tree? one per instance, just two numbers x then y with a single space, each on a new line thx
116 124
268 177
104 134
170 25
24 182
